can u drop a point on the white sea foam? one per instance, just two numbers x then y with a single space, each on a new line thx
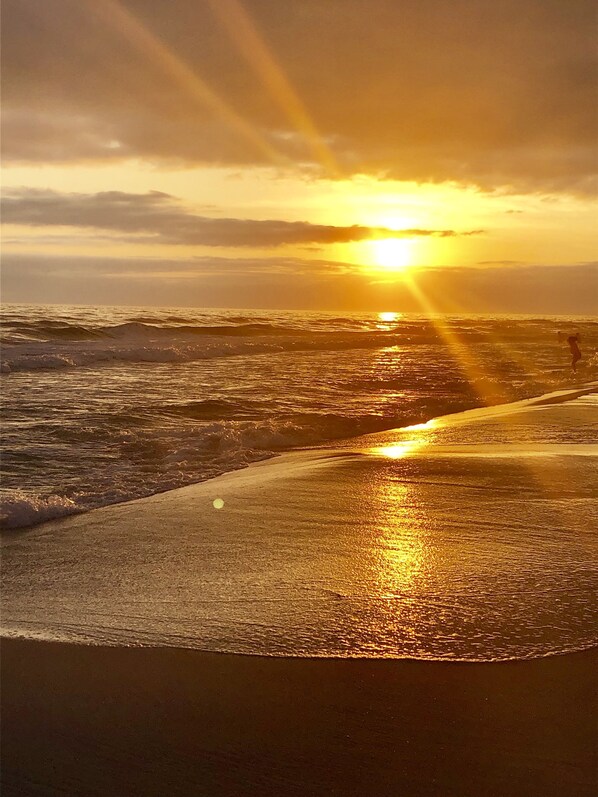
19 508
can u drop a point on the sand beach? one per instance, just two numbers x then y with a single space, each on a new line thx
143 721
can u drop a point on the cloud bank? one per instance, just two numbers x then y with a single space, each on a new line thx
165 221
494 93
294 283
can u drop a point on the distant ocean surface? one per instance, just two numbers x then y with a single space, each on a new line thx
103 405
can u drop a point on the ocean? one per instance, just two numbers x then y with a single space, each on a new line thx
102 405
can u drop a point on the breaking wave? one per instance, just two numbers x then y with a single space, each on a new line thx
151 460
49 346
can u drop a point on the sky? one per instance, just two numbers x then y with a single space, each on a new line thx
342 155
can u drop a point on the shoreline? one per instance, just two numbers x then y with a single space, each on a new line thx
395 544
467 415
17 638
84 719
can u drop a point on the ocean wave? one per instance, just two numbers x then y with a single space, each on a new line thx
151 460
214 409
149 327
145 327
48 344
19 508
36 356
77 438
151 331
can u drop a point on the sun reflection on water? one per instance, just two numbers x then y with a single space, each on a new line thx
388 321
388 317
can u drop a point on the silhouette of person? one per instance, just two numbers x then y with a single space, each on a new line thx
573 341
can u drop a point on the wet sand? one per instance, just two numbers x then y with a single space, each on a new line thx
139 721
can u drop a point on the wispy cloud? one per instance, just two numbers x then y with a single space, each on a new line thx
164 220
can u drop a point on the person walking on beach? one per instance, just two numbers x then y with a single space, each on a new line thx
573 341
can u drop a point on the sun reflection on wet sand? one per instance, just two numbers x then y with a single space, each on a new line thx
401 549
402 554
416 439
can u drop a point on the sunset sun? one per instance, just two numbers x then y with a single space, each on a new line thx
392 254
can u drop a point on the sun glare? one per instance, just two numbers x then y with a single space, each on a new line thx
393 254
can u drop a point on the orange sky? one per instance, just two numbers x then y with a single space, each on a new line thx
301 154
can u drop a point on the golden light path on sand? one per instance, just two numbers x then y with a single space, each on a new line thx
402 546
416 440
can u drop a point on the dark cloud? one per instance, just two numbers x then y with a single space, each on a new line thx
158 215
294 283
496 93
141 267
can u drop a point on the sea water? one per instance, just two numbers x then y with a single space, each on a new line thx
102 405
471 537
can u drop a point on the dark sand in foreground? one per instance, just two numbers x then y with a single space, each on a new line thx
146 721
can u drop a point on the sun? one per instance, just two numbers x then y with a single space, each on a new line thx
392 254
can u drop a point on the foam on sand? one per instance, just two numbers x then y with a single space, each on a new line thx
470 537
